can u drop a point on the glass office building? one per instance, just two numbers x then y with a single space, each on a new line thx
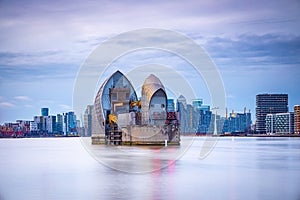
269 104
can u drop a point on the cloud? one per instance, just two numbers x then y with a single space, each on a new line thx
84 21
36 49
22 98
15 58
47 101
65 107
58 49
7 105
245 50
37 73
230 96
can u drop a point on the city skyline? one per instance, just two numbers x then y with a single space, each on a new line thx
192 118
174 105
255 47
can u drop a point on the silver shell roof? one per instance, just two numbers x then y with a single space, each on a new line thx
98 103
151 85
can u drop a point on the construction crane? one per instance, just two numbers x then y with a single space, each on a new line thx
215 122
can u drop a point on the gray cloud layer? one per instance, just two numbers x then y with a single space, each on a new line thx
48 40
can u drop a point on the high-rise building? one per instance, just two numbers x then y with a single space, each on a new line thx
188 116
269 104
171 105
195 118
197 103
59 123
205 119
50 122
44 111
69 123
205 108
183 115
220 124
238 122
181 99
88 121
190 110
33 127
297 118
40 123
280 123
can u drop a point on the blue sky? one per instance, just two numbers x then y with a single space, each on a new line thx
254 44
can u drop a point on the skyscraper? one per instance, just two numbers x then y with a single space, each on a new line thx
189 109
40 123
197 103
297 118
50 124
59 123
181 99
69 123
171 105
269 104
183 115
238 122
88 121
45 111
204 121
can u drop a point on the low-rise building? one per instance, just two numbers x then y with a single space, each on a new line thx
280 123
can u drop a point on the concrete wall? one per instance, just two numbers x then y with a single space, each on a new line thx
149 135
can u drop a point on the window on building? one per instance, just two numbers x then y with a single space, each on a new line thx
114 96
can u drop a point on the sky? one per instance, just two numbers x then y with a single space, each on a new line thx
255 45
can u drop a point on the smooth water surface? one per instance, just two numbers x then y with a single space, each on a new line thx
68 168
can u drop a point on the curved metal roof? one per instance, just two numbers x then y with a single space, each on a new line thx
151 85
102 100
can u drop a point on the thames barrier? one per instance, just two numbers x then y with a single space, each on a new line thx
125 119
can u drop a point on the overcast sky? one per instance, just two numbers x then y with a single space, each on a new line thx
254 44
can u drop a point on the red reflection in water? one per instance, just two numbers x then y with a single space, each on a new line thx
162 167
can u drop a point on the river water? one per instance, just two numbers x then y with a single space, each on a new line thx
71 168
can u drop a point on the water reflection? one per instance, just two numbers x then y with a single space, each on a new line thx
276 153
243 168
136 159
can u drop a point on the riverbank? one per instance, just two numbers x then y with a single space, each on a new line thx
241 135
